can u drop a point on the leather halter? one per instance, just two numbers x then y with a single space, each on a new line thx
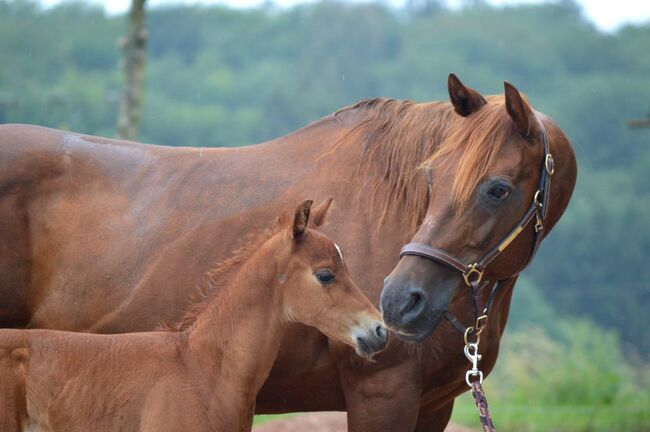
473 273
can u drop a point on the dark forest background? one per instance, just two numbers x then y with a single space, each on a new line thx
224 77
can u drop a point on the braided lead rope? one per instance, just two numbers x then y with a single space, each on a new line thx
482 405
474 378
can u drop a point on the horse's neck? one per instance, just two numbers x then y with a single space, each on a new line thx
235 339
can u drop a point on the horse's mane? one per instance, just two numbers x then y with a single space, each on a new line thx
401 137
222 273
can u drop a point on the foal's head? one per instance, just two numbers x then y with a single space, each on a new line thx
316 289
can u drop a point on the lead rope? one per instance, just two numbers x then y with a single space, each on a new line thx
471 352
481 404
474 376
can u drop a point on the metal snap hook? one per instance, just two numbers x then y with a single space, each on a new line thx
471 352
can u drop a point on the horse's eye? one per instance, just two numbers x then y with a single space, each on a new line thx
324 276
498 191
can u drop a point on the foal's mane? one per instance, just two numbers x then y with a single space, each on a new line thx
402 137
222 273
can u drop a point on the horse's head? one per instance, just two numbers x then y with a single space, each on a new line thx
317 289
487 173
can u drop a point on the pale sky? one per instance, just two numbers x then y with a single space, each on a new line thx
608 15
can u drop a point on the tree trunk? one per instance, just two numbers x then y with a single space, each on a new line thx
132 64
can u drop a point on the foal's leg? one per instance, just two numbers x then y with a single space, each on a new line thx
380 397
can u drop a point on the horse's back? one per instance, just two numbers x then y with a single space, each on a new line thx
95 233
64 206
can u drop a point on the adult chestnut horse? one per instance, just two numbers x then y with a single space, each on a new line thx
106 236
205 375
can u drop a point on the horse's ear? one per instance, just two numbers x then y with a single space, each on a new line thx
319 214
300 219
519 111
464 99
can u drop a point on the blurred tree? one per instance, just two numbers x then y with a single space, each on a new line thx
425 7
132 64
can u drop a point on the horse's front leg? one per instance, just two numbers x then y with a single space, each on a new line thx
434 421
380 396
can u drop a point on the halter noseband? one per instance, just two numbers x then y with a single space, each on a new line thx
473 273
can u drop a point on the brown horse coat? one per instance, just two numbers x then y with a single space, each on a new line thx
110 236
204 377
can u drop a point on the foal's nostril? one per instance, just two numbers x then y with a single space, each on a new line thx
381 332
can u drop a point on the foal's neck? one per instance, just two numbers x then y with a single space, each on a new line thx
235 339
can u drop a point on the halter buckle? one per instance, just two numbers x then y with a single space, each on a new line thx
549 164
481 323
473 270
539 224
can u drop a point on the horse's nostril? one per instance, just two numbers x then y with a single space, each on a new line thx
414 302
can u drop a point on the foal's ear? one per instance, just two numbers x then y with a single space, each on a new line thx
300 219
519 111
319 214
464 99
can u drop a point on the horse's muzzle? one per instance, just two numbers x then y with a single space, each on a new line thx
410 310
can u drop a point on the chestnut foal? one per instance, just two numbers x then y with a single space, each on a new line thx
205 375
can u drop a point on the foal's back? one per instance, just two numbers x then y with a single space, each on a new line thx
85 382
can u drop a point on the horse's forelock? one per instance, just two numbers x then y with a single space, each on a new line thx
470 145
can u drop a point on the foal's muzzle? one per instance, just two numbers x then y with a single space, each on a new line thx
371 340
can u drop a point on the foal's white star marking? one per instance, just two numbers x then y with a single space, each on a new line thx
338 249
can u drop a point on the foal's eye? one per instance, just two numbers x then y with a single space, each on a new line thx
324 276
498 191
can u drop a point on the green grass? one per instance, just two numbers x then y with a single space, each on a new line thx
263 418
529 417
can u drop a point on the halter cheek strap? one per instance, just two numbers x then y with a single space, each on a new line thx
473 273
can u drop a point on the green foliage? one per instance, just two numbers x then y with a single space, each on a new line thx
224 77
579 381
561 374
